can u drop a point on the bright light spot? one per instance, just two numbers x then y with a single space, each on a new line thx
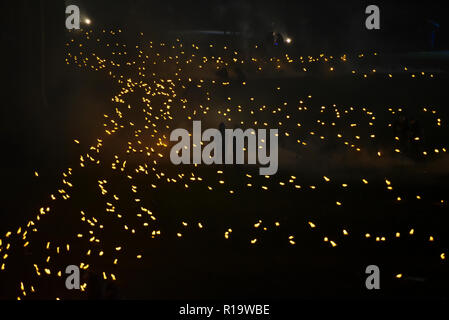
87 21
288 40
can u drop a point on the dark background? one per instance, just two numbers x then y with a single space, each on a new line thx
37 123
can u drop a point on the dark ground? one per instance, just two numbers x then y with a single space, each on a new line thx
203 264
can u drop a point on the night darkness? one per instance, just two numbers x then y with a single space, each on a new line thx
362 167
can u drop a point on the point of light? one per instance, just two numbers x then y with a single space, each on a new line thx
288 40
87 21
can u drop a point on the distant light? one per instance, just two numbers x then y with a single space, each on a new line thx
288 40
87 21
